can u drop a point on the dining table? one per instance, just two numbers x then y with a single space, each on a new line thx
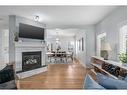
59 55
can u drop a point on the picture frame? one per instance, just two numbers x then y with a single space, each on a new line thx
82 43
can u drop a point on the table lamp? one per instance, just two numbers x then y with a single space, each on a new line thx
104 50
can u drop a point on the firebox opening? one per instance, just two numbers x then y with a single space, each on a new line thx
31 60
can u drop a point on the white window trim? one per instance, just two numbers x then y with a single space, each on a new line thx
122 40
98 42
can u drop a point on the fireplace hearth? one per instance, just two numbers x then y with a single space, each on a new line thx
31 60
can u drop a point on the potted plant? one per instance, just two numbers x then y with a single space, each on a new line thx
123 58
16 34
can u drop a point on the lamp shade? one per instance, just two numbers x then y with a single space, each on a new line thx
106 46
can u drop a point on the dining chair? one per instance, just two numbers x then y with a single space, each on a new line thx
69 56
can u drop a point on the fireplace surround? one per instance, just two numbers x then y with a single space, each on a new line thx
31 49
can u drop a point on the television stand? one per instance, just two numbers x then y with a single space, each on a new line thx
108 67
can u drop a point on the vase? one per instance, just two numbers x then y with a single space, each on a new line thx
16 38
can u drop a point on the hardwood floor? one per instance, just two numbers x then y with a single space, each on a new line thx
58 76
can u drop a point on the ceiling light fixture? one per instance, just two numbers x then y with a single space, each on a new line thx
36 18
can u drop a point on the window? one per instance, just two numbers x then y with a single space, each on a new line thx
123 39
101 39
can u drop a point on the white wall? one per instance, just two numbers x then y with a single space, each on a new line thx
1 56
4 42
88 33
111 25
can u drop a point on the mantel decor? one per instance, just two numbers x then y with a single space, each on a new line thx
16 35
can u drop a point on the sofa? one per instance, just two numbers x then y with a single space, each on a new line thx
104 82
7 78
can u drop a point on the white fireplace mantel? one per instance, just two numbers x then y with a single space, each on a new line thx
29 44
28 47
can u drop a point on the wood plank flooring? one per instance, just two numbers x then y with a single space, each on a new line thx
58 76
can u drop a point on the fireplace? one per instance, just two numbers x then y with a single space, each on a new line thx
31 60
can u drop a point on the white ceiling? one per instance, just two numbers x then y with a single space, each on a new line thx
57 16
53 33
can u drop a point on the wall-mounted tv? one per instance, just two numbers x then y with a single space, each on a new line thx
32 32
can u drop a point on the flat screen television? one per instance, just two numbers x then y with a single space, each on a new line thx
29 31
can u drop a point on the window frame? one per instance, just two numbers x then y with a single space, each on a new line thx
122 39
99 37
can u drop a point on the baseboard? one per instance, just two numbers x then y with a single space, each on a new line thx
31 72
79 62
83 64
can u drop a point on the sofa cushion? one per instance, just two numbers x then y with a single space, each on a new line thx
8 85
6 74
110 83
89 83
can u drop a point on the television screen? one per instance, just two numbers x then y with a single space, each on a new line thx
29 31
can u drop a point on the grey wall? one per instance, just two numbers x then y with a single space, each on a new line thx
88 33
13 28
111 25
